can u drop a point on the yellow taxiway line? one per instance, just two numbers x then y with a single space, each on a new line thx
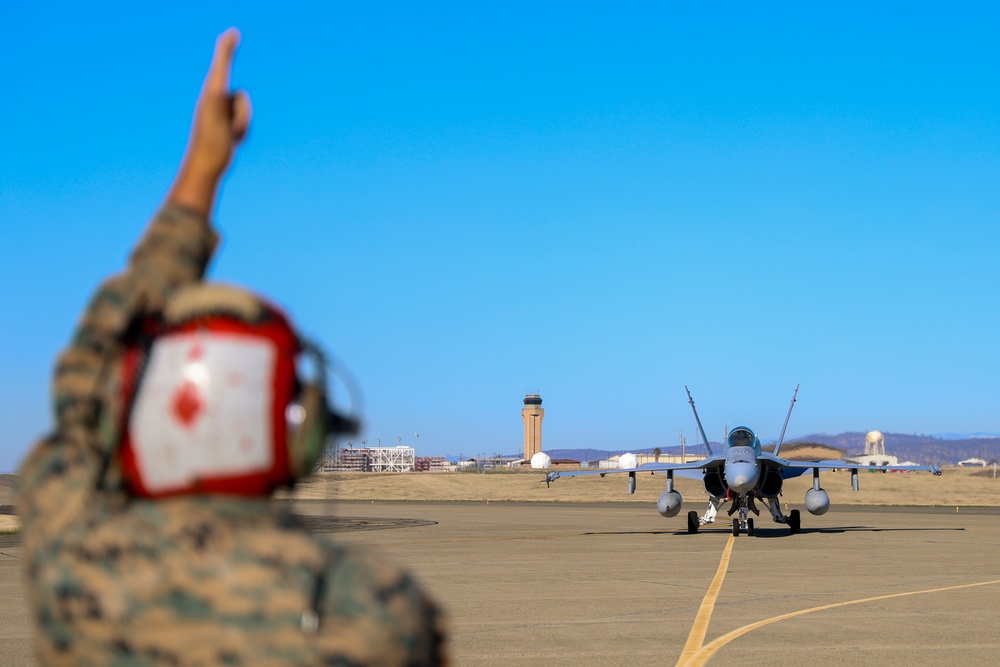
702 655
696 653
697 636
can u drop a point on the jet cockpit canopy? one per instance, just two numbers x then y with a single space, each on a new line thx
741 436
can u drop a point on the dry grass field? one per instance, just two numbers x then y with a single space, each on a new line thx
957 486
8 497
961 487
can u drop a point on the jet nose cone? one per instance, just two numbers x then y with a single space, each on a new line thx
742 477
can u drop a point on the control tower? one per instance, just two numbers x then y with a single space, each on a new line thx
532 414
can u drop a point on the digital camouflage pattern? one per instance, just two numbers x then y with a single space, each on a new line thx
197 580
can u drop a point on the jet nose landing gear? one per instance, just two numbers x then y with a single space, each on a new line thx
749 527
744 502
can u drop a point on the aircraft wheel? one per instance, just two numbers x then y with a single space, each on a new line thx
750 527
794 521
736 527
692 522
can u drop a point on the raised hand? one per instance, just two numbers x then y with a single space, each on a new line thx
221 120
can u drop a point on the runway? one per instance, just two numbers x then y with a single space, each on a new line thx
600 584
608 584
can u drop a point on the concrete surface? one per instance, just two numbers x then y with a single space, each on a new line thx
15 621
605 584
612 584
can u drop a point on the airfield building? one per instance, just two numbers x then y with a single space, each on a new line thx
532 415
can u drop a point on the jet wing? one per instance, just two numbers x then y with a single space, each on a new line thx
795 468
692 470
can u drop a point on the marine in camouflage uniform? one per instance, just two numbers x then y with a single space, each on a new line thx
193 580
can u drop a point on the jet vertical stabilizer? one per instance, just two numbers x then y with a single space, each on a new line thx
704 438
781 439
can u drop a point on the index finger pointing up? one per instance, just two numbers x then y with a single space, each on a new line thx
217 80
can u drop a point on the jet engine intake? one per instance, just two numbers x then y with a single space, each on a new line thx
770 486
817 501
669 503
714 485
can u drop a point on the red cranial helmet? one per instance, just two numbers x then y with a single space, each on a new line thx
212 400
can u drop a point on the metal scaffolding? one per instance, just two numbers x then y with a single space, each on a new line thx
371 459
390 459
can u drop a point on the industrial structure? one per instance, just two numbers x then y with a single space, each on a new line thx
431 464
874 444
371 459
532 415
875 452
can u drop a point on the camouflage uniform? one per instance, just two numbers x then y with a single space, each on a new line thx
198 580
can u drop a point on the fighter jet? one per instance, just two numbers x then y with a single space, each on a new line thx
741 475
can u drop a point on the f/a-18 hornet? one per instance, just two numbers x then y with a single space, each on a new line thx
740 476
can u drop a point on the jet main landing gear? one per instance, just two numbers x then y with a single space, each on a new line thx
794 522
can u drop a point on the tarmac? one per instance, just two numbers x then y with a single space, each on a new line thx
608 584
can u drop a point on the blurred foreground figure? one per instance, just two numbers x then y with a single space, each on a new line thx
149 535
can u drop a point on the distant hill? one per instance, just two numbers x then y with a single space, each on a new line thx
807 451
918 448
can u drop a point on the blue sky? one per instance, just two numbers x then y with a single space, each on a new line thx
469 201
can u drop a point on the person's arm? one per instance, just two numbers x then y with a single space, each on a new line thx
63 475
221 121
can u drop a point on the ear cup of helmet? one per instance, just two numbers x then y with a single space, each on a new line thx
306 417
